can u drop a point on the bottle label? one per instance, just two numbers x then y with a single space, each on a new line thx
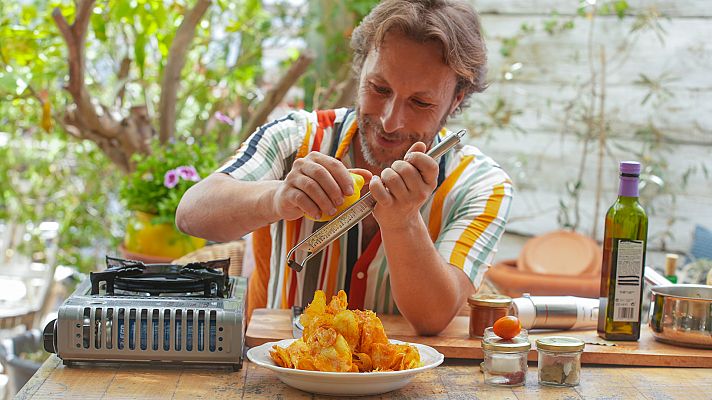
629 272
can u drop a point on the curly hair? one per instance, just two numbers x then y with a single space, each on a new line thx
452 23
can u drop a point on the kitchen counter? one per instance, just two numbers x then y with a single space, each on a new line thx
455 379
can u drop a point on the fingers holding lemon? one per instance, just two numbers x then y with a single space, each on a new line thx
358 182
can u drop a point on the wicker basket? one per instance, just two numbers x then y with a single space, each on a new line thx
232 250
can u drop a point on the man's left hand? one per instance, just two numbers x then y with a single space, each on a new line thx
403 189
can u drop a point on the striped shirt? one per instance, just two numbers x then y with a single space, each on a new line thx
465 215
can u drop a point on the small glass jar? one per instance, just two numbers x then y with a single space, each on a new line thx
484 310
559 360
505 361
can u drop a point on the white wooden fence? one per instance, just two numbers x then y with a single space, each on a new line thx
544 154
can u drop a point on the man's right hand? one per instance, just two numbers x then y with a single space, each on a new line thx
315 186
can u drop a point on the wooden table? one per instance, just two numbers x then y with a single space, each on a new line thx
454 342
455 379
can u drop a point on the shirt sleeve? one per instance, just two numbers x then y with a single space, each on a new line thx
474 217
265 155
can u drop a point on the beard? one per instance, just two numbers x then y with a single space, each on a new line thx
382 158
379 157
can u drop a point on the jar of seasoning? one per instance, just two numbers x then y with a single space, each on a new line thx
559 360
484 310
505 361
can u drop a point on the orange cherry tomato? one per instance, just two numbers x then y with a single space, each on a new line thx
507 327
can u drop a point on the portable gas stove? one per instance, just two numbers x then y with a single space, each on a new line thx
193 313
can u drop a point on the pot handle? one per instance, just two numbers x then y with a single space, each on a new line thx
654 278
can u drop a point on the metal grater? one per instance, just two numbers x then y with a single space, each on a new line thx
361 209
178 328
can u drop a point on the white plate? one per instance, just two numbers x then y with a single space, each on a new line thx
344 383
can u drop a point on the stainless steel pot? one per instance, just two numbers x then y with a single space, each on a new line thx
682 315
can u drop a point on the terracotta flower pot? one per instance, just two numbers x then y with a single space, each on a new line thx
151 242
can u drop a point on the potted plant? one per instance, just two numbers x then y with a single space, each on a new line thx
152 192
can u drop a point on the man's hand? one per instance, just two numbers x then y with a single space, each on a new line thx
315 186
404 188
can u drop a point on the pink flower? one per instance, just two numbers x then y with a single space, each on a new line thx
223 118
188 173
170 180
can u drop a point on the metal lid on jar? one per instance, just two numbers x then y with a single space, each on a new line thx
560 344
515 345
489 300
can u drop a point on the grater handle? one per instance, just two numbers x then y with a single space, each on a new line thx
340 224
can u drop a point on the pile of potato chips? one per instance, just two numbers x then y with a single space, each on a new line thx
336 339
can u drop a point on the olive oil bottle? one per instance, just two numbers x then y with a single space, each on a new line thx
624 245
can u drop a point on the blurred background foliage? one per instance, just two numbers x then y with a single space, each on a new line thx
241 52
48 174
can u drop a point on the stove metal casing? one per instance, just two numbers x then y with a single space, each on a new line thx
105 328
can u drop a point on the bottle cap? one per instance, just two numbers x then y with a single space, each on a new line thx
670 263
630 168
560 344
489 300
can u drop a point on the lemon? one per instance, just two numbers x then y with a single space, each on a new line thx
348 200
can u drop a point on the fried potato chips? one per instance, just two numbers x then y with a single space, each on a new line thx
336 339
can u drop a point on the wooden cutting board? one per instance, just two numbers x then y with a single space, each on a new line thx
269 325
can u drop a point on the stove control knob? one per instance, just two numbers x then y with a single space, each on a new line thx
49 336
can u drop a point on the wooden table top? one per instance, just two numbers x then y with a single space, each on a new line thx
269 325
455 379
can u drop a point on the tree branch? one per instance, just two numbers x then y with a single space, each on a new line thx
276 94
344 84
75 36
174 66
122 78
118 140
347 91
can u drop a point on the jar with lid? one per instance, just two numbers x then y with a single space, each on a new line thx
559 360
505 361
485 309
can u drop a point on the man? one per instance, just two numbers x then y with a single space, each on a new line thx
436 224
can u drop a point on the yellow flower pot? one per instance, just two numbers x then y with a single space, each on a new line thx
157 240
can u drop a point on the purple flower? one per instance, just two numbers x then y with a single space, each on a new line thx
223 118
188 173
170 180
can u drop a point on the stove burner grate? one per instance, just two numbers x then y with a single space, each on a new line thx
131 277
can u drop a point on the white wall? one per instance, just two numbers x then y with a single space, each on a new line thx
545 154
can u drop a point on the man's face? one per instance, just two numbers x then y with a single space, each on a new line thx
406 93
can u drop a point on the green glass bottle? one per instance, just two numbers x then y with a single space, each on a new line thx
624 245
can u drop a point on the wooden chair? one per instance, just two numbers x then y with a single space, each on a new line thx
39 297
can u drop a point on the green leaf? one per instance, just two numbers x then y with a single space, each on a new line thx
140 54
582 9
123 11
621 6
7 82
508 46
99 27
